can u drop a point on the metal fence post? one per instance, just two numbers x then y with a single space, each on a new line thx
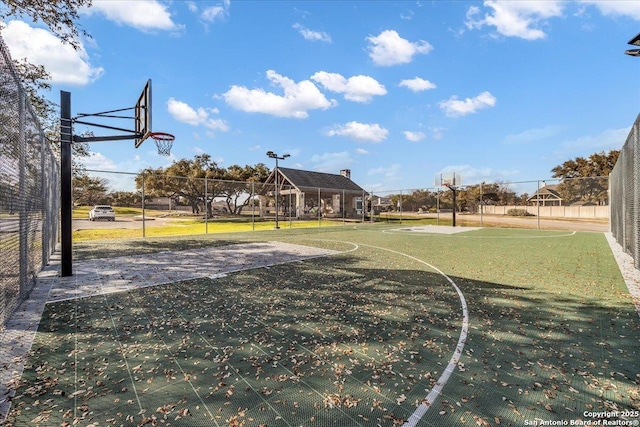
437 206
290 219
206 206
319 209
45 214
144 221
481 204
635 188
22 195
253 207
538 203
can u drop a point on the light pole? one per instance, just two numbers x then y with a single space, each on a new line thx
275 156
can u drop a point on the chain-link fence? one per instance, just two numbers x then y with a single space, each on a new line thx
149 204
625 196
29 206
570 199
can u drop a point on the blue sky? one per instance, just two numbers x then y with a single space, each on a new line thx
396 91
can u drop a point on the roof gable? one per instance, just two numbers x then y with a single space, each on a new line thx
549 192
307 180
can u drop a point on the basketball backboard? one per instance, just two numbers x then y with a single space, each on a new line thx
143 115
448 179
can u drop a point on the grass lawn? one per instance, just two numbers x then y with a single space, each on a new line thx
359 338
189 227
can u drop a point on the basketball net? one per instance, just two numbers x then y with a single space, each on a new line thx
164 142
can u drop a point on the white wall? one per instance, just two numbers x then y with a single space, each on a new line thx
585 212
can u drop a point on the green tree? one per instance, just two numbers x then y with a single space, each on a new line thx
125 198
184 179
61 17
596 165
424 199
469 198
239 184
585 180
89 191
401 200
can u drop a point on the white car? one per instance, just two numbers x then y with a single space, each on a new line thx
102 212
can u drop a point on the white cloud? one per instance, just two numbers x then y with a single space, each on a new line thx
532 135
388 48
144 15
184 113
98 161
414 136
362 151
387 173
610 139
312 35
360 132
523 19
40 47
629 9
355 88
417 84
297 100
216 12
407 16
453 107
436 132
474 175
331 162
119 181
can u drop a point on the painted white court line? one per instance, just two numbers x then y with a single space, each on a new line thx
435 229
455 358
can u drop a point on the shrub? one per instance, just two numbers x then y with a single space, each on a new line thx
518 212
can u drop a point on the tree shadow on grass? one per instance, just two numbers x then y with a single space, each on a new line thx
328 342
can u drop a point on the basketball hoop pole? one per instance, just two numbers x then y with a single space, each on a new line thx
67 138
66 196
454 191
66 207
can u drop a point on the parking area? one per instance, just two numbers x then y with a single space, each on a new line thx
120 222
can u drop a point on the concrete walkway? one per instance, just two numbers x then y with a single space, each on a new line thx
630 274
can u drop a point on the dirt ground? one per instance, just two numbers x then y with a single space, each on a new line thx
532 222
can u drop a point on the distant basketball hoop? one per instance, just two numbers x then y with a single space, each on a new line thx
452 181
164 142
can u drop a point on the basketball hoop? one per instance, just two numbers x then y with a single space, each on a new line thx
164 142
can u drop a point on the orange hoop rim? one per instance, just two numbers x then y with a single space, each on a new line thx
161 136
